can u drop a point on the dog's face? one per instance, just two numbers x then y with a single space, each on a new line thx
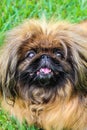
46 63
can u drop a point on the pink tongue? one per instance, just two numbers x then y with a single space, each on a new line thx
45 70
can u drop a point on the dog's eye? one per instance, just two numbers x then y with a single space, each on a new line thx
31 54
58 54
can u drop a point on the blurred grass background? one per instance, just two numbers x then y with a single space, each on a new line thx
13 12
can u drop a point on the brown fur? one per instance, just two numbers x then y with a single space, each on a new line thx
69 109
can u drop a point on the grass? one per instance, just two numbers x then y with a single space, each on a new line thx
8 122
14 12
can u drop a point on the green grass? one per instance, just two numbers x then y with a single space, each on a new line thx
13 12
8 122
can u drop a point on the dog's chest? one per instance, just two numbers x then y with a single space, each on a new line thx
36 112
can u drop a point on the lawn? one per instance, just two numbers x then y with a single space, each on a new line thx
13 12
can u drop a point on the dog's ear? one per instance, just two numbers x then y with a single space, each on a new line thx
9 54
8 61
80 55
82 52
78 46
74 36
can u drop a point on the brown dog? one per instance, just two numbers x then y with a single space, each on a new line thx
43 74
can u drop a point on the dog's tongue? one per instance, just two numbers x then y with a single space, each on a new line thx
45 70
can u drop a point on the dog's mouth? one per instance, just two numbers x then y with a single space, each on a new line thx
45 76
44 71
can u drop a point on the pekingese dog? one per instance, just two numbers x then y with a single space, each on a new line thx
43 74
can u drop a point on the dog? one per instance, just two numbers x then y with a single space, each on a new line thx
43 74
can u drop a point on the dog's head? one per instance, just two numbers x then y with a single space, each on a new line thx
43 61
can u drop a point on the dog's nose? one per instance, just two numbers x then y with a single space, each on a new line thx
45 56
45 60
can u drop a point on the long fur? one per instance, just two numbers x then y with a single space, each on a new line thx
68 111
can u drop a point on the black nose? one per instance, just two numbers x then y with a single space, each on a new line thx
45 56
45 60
